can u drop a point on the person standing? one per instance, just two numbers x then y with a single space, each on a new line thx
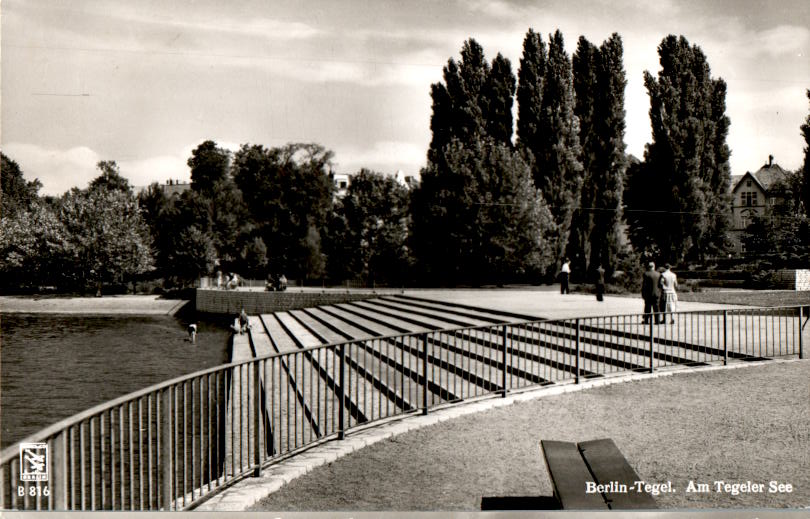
192 333
651 292
600 283
565 275
669 285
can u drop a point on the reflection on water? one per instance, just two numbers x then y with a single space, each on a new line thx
54 366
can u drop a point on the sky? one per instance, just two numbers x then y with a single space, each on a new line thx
144 82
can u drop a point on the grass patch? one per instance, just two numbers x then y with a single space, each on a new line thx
751 423
748 297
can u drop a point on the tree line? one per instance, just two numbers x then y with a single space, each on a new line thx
499 200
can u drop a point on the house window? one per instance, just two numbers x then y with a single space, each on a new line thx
343 185
748 183
773 200
749 198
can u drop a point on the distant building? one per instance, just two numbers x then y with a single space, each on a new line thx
408 180
174 188
342 182
752 195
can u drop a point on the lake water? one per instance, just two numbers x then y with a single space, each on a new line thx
54 366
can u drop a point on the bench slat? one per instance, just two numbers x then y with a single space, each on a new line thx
568 475
608 464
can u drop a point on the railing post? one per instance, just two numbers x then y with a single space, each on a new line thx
801 340
653 317
342 392
576 361
424 373
257 413
725 338
165 449
505 368
59 482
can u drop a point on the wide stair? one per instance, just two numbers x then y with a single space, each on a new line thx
401 353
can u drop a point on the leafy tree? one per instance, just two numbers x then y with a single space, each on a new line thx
209 166
192 254
288 193
254 258
375 212
686 167
557 167
110 178
477 217
337 245
152 201
31 246
229 225
106 237
805 128
17 193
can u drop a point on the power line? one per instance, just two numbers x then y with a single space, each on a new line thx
623 210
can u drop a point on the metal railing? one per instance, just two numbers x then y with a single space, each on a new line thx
169 446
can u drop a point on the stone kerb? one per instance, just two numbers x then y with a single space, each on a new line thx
232 301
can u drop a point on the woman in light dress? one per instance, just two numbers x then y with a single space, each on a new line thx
669 284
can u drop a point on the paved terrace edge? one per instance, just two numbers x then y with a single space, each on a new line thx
249 491
107 305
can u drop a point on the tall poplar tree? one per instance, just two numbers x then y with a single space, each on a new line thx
806 166
530 95
499 95
608 172
558 170
686 166
585 66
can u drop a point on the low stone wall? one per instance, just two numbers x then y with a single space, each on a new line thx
792 279
215 301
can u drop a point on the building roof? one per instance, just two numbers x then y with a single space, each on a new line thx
766 176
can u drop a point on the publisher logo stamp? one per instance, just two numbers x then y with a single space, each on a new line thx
34 462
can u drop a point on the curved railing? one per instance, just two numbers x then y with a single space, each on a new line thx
170 446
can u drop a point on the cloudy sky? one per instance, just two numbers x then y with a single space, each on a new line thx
144 82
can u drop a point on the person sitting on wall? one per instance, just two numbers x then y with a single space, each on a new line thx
282 283
244 325
233 282
270 283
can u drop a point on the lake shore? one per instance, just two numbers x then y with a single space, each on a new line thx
107 305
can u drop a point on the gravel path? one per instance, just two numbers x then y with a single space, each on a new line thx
736 425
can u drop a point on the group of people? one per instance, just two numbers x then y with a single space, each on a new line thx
275 283
658 289
565 275
230 283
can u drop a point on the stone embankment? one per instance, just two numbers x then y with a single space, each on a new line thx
108 305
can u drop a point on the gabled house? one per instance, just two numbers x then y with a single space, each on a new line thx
754 194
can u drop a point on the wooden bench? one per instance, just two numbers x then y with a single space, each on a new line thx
572 466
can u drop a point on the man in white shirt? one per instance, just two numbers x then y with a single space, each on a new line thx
565 273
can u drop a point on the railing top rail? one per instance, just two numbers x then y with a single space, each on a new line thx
42 435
